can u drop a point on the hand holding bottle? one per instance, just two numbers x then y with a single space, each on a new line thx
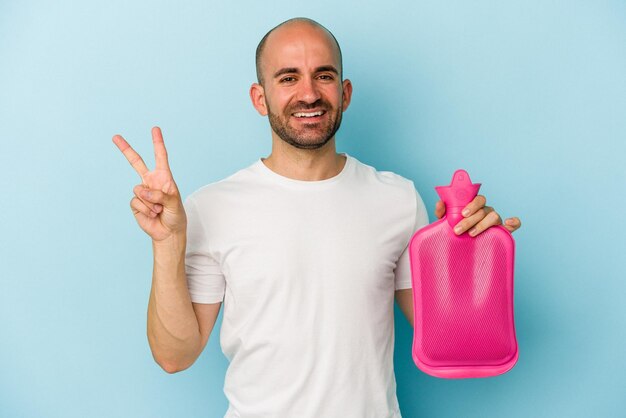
478 217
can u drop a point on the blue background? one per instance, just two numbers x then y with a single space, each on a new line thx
528 96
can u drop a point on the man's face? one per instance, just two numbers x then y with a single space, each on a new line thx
303 92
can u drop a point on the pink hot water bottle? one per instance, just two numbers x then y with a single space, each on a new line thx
462 293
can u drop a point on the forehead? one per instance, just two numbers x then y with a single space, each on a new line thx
299 46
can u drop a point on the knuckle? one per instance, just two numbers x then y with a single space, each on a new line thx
514 223
135 205
138 204
138 188
134 159
494 217
155 196
475 230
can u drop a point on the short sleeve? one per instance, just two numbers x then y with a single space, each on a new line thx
205 280
403 267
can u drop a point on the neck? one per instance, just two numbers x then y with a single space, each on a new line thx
304 164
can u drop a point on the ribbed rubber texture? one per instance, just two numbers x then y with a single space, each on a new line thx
463 301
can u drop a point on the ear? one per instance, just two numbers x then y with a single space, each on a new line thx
257 95
347 94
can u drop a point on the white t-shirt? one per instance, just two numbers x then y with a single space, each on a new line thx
307 272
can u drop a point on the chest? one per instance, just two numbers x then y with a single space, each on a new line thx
329 241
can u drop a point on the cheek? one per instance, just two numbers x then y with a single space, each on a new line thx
279 101
335 96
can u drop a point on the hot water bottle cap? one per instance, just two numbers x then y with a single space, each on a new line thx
457 195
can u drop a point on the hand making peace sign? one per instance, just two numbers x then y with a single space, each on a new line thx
157 205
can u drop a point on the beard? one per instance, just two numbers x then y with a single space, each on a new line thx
312 135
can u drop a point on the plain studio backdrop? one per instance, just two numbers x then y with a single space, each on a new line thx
528 96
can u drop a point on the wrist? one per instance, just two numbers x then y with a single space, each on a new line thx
176 242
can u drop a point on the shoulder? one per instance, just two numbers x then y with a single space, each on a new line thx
392 194
393 188
383 179
232 185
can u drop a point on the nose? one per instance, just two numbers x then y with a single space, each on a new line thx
308 91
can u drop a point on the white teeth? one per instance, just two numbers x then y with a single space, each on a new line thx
308 115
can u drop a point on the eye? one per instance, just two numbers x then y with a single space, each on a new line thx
326 77
287 79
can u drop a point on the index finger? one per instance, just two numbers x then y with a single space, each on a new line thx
160 153
133 158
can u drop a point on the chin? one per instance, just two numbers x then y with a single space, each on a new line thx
309 146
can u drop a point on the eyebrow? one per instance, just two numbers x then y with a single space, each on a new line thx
289 70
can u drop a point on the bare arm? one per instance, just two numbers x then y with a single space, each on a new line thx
404 298
177 329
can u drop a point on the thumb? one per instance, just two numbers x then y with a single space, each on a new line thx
440 209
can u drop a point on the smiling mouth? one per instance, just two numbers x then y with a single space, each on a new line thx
304 115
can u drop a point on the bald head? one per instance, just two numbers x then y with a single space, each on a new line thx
293 24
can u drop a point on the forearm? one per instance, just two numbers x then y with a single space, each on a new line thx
173 331
404 298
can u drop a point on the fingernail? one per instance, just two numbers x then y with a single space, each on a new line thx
465 212
472 232
147 194
457 229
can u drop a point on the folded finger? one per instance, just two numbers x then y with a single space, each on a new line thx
491 219
476 204
470 222
140 208
153 199
512 224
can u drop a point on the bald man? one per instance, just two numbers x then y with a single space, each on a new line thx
306 250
